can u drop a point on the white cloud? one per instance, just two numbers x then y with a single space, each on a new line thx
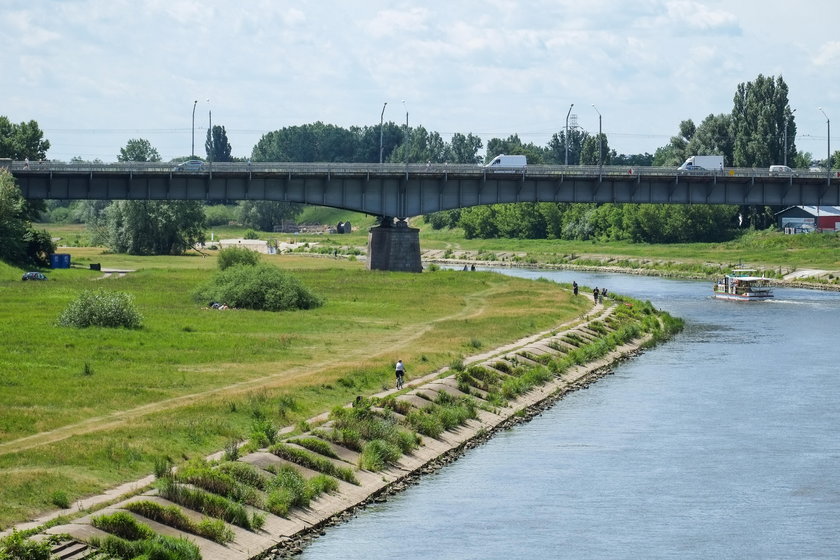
495 66
828 54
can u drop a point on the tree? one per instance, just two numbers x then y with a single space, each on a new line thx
512 145
759 114
217 148
19 242
676 151
464 149
22 141
589 150
154 227
138 149
556 151
264 215
713 137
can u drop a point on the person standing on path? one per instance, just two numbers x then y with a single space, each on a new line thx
595 293
575 287
400 373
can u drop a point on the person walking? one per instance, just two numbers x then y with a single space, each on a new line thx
400 373
595 293
575 287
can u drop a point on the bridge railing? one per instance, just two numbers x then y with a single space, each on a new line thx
395 169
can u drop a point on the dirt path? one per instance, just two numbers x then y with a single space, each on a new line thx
475 305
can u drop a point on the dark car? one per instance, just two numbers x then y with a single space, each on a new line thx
33 276
190 165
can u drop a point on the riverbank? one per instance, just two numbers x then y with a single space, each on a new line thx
281 535
812 279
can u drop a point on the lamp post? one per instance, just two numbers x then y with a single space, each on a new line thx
566 139
406 132
381 121
192 149
828 144
786 136
600 150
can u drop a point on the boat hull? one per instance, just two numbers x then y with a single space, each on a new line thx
742 297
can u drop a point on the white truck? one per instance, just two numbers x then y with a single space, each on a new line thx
702 163
507 162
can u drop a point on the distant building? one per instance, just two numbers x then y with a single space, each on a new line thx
806 219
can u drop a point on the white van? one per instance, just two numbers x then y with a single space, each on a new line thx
507 162
781 170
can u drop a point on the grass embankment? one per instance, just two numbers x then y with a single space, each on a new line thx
83 410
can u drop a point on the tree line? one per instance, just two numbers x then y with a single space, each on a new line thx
758 131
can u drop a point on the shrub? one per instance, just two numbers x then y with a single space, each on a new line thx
310 460
158 548
123 525
17 547
235 256
200 474
206 503
317 445
101 308
379 454
245 473
213 529
60 499
261 287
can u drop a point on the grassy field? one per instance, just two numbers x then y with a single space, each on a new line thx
82 410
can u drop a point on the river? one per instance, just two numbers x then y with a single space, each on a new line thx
721 443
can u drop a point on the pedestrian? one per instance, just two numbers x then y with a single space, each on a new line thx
472 268
399 371
574 287
26 163
595 293
603 293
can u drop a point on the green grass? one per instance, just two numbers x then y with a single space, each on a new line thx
112 402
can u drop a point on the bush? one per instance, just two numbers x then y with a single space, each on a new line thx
123 525
312 461
157 548
213 529
101 308
379 454
17 547
261 287
206 503
234 256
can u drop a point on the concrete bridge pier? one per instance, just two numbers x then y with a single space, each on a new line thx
392 245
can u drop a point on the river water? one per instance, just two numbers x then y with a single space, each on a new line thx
721 443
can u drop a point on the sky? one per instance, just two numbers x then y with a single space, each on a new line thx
96 73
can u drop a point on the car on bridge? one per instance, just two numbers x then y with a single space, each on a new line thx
782 170
190 165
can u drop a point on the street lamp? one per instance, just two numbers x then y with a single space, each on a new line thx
192 149
566 139
828 130
600 151
381 121
406 131
210 120
786 136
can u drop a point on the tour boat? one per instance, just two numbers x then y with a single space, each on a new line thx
743 285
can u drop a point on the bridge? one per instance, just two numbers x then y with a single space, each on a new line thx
404 190
410 190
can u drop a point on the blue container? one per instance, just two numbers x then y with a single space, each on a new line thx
60 260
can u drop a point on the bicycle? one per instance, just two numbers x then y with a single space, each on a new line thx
399 380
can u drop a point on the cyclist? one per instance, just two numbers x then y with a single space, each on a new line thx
400 373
